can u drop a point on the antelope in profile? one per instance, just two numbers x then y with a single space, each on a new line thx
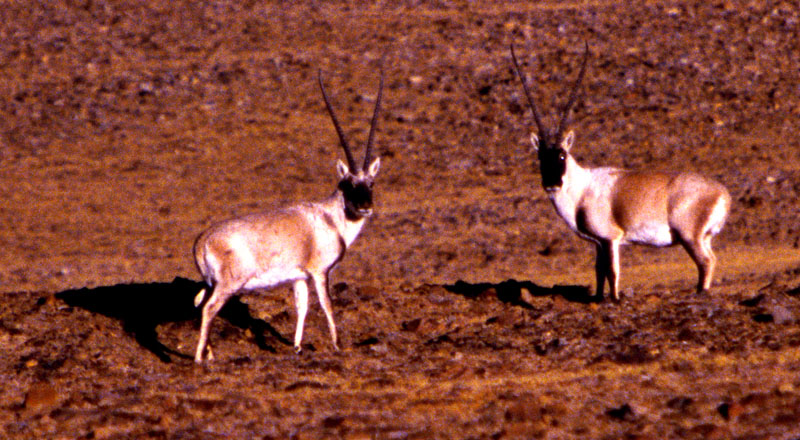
611 206
296 244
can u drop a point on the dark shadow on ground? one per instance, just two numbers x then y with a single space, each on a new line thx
142 307
511 291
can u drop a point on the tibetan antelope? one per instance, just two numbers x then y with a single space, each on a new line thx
611 206
297 244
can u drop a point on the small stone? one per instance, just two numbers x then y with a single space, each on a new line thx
526 296
380 348
623 413
411 325
730 411
526 409
41 396
782 315
369 292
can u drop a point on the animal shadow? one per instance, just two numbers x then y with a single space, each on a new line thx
141 307
511 291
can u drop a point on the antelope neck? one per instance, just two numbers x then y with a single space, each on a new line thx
566 198
347 223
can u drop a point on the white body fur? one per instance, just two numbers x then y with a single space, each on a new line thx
297 244
612 207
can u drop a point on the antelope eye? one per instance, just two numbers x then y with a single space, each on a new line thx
562 156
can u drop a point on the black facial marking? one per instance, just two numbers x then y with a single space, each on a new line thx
552 164
357 197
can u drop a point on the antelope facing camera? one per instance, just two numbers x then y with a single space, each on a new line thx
611 206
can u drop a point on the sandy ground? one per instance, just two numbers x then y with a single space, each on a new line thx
126 128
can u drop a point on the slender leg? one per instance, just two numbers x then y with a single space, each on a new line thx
321 286
712 262
601 271
301 304
703 256
704 259
218 299
613 272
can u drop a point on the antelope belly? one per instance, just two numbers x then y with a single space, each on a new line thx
653 234
274 277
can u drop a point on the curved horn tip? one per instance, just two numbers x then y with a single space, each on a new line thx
373 123
536 118
573 95
342 140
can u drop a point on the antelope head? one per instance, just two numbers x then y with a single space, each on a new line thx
355 182
552 146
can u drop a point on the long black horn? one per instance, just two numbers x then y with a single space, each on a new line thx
574 94
351 164
542 132
373 123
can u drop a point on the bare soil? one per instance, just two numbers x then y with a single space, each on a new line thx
126 128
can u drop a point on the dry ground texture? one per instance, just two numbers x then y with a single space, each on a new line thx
128 127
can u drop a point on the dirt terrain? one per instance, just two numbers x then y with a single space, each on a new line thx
126 128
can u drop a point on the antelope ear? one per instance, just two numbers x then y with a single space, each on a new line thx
341 169
535 141
373 168
566 144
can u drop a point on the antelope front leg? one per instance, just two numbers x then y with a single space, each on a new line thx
613 268
321 285
301 304
601 271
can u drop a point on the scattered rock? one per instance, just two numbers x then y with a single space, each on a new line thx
752 302
380 348
764 318
782 315
680 403
41 396
306 384
730 410
633 354
372 340
553 248
623 413
332 421
526 296
411 325
689 335
525 409
368 292
560 303
338 288
552 346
